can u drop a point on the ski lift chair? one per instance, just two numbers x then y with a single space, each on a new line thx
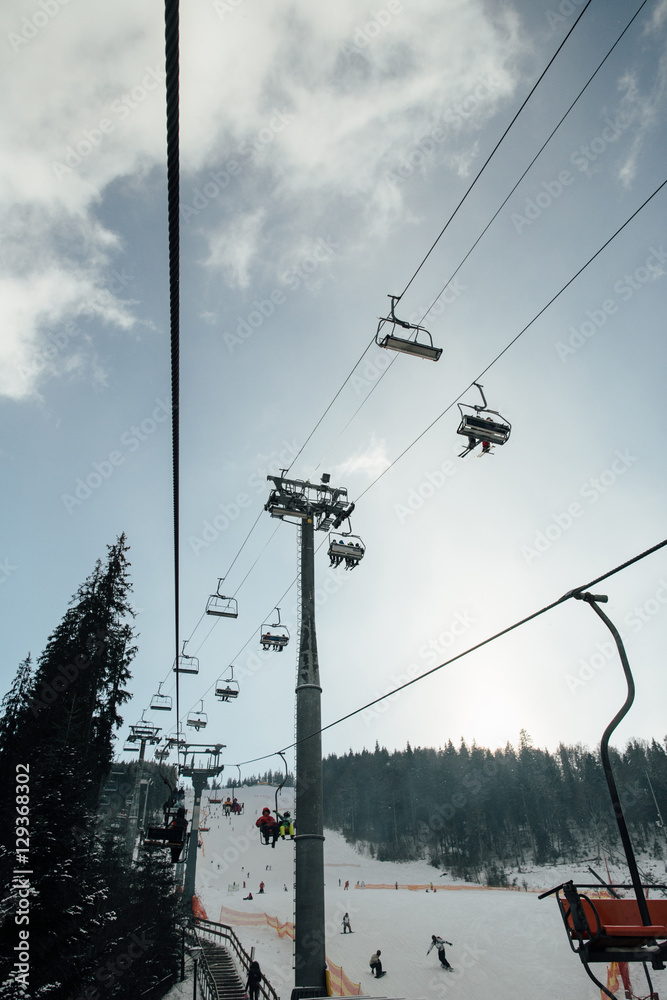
390 339
611 930
477 428
198 720
161 702
351 551
614 930
186 664
275 636
226 687
221 606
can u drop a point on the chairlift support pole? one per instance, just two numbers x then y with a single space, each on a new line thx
199 775
314 507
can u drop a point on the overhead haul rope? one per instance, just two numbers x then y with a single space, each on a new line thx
537 154
491 363
490 222
479 174
471 649
495 149
172 80
514 339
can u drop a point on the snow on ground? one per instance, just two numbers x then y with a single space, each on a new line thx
505 944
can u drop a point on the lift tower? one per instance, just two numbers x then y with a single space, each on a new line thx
315 507
199 770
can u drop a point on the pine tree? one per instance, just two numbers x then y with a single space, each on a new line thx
60 725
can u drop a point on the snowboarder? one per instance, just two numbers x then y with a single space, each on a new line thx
346 924
253 981
286 825
439 943
261 887
376 965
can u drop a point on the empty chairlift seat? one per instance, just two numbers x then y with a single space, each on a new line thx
416 339
221 606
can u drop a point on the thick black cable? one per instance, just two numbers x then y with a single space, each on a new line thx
495 148
510 628
514 340
537 154
173 170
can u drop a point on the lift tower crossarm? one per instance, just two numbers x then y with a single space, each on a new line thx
300 499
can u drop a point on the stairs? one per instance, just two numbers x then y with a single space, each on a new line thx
223 969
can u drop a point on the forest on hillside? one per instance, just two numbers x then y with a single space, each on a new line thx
79 918
474 812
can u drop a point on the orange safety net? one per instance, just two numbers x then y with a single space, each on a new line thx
428 887
338 984
283 929
198 909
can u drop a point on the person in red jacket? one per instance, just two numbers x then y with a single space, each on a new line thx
268 827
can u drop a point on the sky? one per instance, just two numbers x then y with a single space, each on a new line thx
323 151
507 944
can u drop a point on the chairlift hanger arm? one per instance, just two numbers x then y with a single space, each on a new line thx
594 600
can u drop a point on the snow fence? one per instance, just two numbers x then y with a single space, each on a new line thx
338 984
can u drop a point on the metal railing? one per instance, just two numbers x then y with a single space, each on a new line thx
225 933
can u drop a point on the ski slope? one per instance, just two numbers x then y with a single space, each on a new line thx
506 944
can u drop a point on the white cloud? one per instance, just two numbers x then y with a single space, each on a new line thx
318 104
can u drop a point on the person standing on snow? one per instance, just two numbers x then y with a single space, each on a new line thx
440 943
346 924
253 982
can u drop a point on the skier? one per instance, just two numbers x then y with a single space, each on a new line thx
268 826
286 825
439 943
178 827
346 924
376 965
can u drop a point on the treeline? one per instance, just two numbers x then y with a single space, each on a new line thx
268 778
475 812
78 918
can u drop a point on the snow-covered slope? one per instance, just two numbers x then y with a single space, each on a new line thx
506 944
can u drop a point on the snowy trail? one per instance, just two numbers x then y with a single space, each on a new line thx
506 944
